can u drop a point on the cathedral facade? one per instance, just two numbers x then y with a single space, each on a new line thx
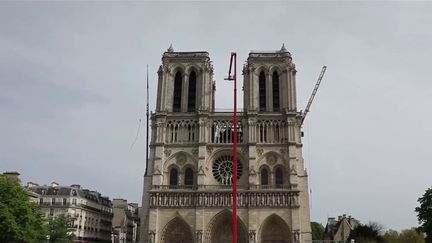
188 182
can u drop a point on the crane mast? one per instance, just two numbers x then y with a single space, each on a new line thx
313 93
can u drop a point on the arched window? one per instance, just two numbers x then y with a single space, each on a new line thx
192 92
173 179
177 92
262 92
279 176
264 176
189 180
276 89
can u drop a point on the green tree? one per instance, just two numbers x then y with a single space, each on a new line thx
424 214
370 233
317 231
20 219
411 236
391 236
58 229
406 236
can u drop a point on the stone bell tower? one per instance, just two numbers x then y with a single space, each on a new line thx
188 186
274 138
185 82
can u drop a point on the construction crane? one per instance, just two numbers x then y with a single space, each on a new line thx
313 94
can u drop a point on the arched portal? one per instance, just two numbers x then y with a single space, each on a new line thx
177 231
219 229
275 230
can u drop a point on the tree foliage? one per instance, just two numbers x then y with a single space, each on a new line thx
406 236
424 214
370 233
58 229
317 231
20 219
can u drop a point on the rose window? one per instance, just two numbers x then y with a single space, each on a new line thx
223 169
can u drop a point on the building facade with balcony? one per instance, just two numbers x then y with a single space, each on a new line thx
126 221
90 213
188 180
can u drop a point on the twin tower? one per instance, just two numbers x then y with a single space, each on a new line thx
188 182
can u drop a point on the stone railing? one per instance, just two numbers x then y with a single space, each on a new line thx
181 131
223 187
222 131
272 131
246 199
218 128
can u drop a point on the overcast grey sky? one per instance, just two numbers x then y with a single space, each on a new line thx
72 88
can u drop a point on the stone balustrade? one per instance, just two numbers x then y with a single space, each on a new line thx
246 199
219 129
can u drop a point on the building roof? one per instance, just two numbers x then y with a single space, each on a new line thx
74 190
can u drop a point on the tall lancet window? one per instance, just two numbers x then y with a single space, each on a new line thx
177 92
264 177
173 178
276 106
279 176
192 92
189 177
262 92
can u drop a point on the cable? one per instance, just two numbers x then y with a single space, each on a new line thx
136 137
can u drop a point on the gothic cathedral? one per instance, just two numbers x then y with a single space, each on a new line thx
187 185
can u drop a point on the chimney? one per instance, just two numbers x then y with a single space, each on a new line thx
31 184
76 186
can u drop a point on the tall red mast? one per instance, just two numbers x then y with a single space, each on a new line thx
233 60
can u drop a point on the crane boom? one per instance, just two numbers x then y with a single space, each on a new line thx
313 94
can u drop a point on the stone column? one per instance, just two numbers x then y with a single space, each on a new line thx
185 92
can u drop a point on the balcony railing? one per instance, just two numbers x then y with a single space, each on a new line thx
272 131
222 187
182 131
249 199
223 131
219 129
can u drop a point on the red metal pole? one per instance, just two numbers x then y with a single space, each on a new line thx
233 54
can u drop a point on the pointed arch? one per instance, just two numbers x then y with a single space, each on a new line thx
262 91
173 160
275 230
177 231
264 159
178 83
219 229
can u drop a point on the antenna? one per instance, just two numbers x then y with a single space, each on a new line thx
147 124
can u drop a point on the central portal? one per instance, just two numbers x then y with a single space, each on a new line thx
220 229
